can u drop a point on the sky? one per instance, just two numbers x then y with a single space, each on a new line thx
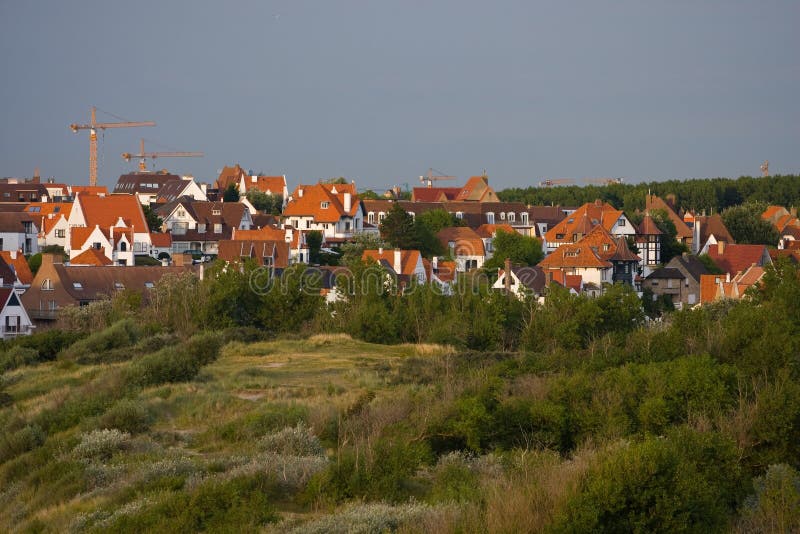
381 91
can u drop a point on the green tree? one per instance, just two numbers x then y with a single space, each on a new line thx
154 222
397 229
231 193
747 227
265 203
522 250
314 242
437 219
670 247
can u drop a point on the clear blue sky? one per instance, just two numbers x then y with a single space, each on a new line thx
379 91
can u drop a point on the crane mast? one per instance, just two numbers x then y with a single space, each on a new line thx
93 126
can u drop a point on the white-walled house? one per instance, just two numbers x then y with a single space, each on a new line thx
333 209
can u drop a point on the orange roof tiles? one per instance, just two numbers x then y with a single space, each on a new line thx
89 189
466 242
606 246
408 259
79 235
648 226
737 258
324 202
573 256
106 211
581 222
489 230
91 256
435 194
477 189
654 202
161 240
17 261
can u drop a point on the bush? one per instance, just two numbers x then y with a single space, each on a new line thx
376 517
267 419
127 416
775 507
178 364
17 356
101 444
23 440
95 347
293 441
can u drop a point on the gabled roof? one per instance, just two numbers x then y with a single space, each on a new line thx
230 175
97 190
569 281
144 182
648 226
274 185
79 235
574 255
92 283
606 246
308 201
18 263
533 278
408 259
713 224
91 257
47 214
466 241
583 220
476 189
773 213
233 251
749 277
106 211
434 194
172 190
654 202
737 258
12 222
7 273
690 265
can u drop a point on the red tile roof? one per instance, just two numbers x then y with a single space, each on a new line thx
737 258
91 256
489 230
19 264
713 225
573 256
648 226
161 240
653 202
583 220
89 189
106 211
308 201
466 241
435 194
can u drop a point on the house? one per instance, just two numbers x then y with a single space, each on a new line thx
119 218
158 187
521 281
690 269
464 245
272 254
298 248
440 273
244 181
708 231
614 250
333 209
14 320
648 240
683 233
18 231
18 264
579 259
715 286
579 223
477 189
200 226
734 259
434 194
56 285
161 245
24 192
406 265
91 257
53 222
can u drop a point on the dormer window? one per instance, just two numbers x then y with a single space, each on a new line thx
77 285
119 285
181 213
459 215
217 228
511 217
621 222
201 228
216 212
47 285
502 216
324 205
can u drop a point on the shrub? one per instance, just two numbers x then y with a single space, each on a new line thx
267 419
775 507
177 364
101 444
376 517
17 356
127 415
293 441
121 334
23 440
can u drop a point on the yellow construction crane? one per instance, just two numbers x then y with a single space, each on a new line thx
430 177
93 126
152 156
556 181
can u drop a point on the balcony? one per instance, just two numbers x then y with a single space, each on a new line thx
43 315
13 331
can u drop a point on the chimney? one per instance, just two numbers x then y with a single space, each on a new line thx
720 247
793 211
300 193
180 260
398 264
254 179
507 267
380 251
435 264
727 277
348 202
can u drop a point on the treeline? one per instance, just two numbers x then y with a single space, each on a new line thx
711 194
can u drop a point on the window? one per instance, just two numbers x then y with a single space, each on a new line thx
28 225
524 217
77 285
119 285
216 212
381 216
96 246
149 285
511 217
559 236
490 218
123 246
621 222
181 213
324 205
218 228
459 215
371 217
502 216
47 285
61 233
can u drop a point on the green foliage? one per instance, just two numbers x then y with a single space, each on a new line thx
127 415
314 242
98 346
174 364
670 247
746 226
17 356
522 250
709 264
436 220
231 193
775 507
264 421
13 444
686 482
272 204
397 229
154 222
